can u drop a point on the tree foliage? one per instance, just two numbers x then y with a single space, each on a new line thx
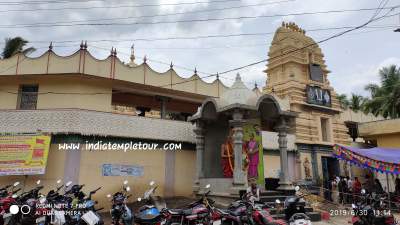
385 98
14 45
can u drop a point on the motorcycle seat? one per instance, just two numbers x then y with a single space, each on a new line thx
180 211
234 213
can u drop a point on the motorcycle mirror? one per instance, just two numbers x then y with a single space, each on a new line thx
42 200
139 199
68 183
297 188
128 188
125 182
58 181
16 184
277 201
362 191
208 186
38 182
152 183
14 196
109 196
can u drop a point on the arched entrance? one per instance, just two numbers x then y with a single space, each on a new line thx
230 116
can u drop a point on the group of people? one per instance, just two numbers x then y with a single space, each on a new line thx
344 190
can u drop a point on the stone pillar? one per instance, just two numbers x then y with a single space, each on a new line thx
163 105
199 131
284 182
314 163
239 177
169 189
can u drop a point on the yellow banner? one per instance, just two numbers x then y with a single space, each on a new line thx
23 155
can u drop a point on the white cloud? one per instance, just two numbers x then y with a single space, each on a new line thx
357 78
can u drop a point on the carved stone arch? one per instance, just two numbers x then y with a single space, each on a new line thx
209 110
268 107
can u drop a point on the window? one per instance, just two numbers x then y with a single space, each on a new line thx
316 73
28 95
325 129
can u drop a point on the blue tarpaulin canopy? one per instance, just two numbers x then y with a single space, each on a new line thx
385 160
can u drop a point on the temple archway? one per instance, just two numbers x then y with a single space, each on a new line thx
221 127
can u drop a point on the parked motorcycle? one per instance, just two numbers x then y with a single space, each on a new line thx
371 210
121 214
154 211
83 207
7 199
200 211
249 212
26 202
295 212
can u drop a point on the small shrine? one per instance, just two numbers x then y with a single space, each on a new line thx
229 149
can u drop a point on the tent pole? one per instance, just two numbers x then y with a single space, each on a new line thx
388 188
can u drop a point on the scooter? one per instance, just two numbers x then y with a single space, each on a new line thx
295 212
119 210
154 211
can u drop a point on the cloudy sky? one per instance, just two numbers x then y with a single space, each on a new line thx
354 58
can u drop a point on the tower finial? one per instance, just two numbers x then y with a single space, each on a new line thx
85 45
145 59
238 78
51 46
81 46
132 53
195 70
171 65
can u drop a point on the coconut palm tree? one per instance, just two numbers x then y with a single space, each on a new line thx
14 45
356 102
344 102
385 98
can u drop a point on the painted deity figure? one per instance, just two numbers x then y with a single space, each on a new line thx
253 155
227 156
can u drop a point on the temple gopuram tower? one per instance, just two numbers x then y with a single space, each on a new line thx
296 70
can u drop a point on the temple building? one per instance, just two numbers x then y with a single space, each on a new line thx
78 99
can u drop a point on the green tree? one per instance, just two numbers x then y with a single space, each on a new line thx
356 102
385 98
344 102
14 45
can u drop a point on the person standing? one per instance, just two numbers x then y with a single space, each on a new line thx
335 193
349 189
378 189
356 189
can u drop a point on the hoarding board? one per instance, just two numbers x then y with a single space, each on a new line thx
23 154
